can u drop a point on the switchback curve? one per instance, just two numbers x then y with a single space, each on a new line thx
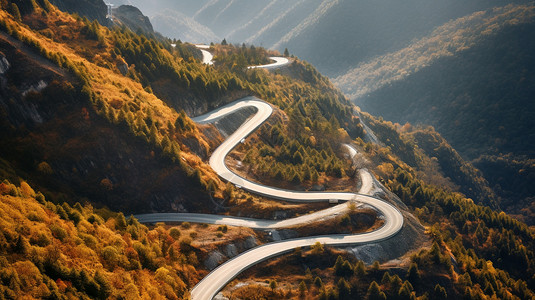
219 277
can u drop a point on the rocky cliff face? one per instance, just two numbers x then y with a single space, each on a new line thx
133 18
92 9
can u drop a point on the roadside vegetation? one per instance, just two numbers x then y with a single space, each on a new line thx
353 221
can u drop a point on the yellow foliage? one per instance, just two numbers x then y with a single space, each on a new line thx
93 247
386 169
26 190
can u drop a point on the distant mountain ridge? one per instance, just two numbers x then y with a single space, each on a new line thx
447 40
481 100
127 15
316 30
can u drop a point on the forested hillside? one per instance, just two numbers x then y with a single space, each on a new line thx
117 76
55 251
481 101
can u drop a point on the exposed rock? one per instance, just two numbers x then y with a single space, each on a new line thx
214 259
220 296
196 147
409 238
250 242
288 234
317 188
231 250
275 235
283 234
4 64
370 252
230 123
131 17
36 87
280 215
123 68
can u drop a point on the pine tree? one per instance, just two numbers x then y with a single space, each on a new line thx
374 292
318 282
120 221
360 269
15 12
386 278
21 245
154 138
440 292
273 285
338 265
105 287
286 52
413 275
395 283
344 289
405 292
302 289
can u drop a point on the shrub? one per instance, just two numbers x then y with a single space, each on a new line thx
110 257
223 228
58 232
44 168
317 248
174 233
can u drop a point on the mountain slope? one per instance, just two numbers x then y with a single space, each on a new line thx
54 127
480 100
63 252
92 9
446 40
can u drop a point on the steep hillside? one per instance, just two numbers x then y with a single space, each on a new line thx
447 40
70 143
480 100
354 32
52 134
54 251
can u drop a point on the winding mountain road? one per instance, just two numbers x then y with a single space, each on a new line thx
219 277
279 62
207 57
